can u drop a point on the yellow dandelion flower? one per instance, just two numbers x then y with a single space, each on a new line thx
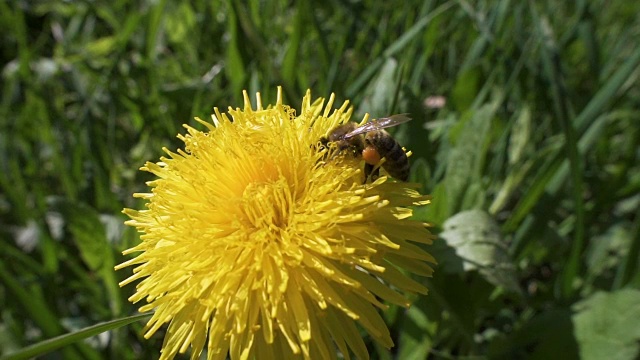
257 244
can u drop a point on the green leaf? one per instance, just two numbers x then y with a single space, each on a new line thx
465 89
437 211
520 136
547 335
396 46
465 161
378 98
476 237
234 63
47 346
32 300
89 235
607 251
607 325
588 122
101 47
417 333
420 171
628 270
291 57
180 23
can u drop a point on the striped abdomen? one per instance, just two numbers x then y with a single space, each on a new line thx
397 162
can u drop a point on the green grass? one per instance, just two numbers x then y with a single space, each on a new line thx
534 161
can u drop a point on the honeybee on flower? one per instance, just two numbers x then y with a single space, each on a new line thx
254 246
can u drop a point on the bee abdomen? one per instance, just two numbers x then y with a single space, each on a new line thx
398 171
397 162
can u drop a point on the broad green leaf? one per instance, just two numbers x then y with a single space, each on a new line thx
607 251
606 325
89 235
449 261
465 160
476 237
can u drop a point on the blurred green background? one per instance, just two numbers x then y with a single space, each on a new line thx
526 131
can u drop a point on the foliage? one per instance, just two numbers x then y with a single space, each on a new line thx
533 161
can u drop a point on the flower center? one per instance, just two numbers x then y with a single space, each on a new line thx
268 205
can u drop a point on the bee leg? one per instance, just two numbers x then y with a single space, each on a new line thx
322 145
371 173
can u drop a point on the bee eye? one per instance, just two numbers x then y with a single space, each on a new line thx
370 155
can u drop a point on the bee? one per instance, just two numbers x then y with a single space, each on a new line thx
371 143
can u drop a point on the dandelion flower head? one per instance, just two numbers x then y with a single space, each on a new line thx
258 243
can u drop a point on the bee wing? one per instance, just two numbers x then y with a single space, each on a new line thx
380 123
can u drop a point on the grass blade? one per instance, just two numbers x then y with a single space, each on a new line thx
49 345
